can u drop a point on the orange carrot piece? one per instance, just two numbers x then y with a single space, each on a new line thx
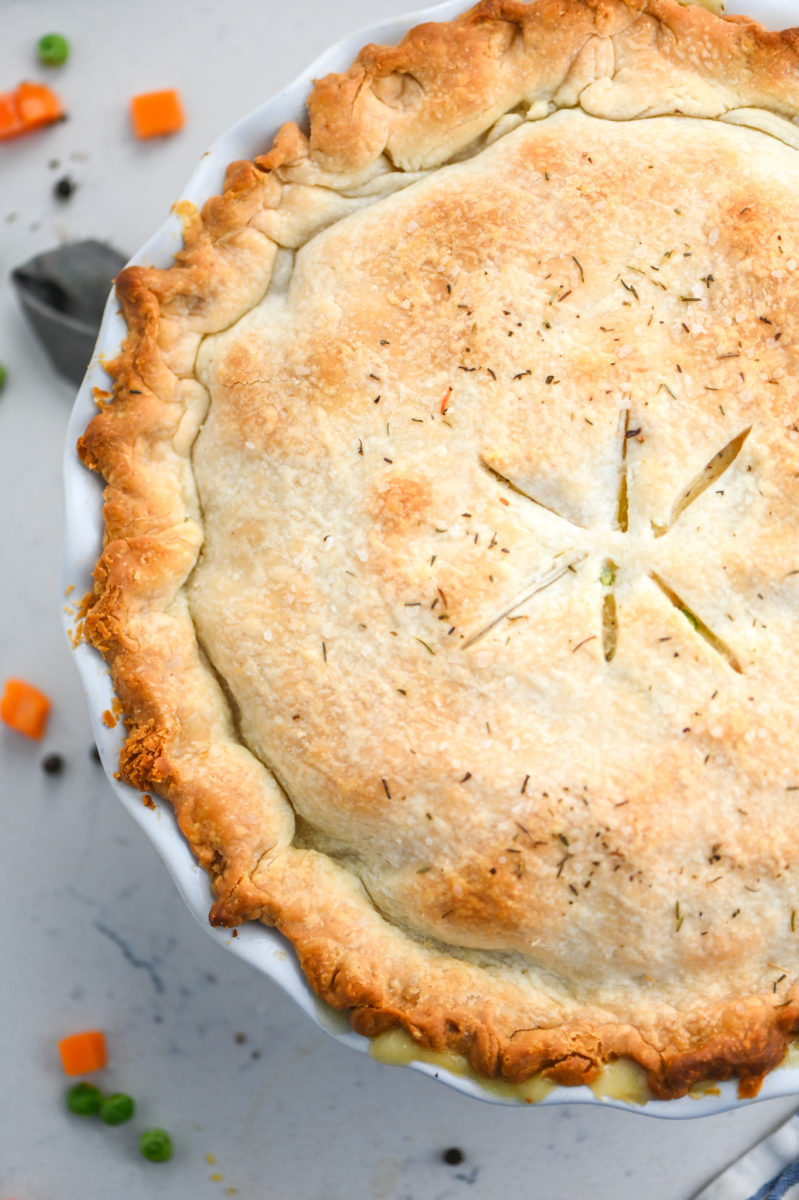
38 105
82 1053
156 113
29 107
9 117
24 708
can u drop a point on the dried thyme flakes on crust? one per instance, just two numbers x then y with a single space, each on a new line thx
458 449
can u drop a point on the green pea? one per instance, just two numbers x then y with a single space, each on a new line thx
3 376
84 1099
156 1145
116 1108
52 50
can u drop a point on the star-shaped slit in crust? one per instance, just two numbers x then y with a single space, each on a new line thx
571 558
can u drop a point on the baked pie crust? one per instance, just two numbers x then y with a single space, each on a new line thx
451 564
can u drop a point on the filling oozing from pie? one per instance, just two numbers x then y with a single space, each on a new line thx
500 486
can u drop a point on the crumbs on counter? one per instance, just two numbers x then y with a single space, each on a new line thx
453 1156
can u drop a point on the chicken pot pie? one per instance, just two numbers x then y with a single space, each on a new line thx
451 565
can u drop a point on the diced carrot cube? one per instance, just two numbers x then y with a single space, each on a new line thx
156 113
9 117
84 1052
29 106
24 708
38 105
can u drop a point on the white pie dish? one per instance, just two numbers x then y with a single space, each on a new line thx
264 948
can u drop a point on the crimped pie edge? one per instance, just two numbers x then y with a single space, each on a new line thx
386 111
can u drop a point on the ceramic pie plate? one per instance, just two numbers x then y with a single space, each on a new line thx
265 948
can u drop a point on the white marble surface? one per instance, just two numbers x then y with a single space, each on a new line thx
92 931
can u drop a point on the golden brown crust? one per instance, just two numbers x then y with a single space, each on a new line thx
398 112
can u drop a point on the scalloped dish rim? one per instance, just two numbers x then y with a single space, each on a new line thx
264 948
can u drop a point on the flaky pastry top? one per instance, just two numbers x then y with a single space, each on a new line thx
450 576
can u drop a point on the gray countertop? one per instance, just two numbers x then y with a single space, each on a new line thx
260 1103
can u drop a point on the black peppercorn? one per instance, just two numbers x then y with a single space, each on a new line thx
64 188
